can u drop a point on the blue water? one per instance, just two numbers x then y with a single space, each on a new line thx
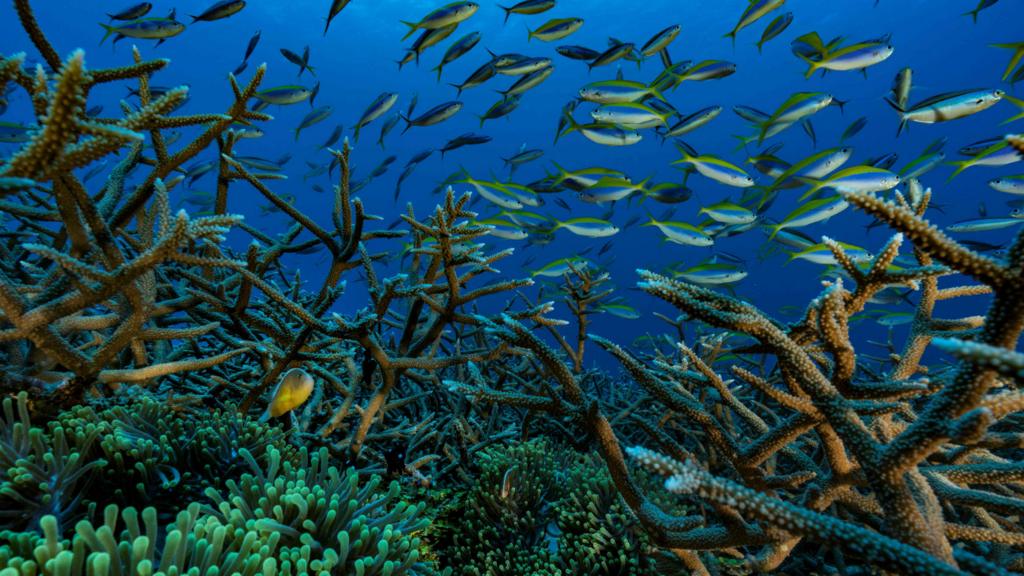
355 62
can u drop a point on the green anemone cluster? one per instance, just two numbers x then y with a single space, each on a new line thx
137 451
535 509
242 501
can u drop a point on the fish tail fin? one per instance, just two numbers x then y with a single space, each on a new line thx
457 87
311 69
355 136
759 46
732 36
815 185
961 165
412 28
194 18
438 68
110 30
841 103
775 230
508 12
408 122
973 14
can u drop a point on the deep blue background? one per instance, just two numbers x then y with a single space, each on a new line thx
355 62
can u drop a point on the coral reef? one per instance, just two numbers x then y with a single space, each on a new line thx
139 350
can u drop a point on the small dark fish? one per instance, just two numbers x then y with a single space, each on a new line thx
315 116
522 157
94 110
219 10
332 138
936 146
420 157
577 52
809 130
318 188
467 139
412 104
382 168
336 7
252 45
457 50
241 68
313 93
884 162
616 52
133 13
478 77
94 171
605 248
387 127
501 108
435 115
660 41
853 129
528 7
563 204
301 61
631 222
776 27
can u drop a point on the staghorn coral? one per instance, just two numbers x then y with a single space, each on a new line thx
887 469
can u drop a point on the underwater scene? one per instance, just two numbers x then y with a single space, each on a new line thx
499 288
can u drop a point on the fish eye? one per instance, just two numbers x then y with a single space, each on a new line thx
998 93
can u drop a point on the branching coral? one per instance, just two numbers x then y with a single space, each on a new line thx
895 469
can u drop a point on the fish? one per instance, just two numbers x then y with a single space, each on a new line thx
335 135
458 48
588 227
466 139
982 5
921 165
796 108
555 29
478 77
821 253
499 109
577 52
529 7
284 95
857 56
632 115
660 41
556 268
493 192
435 115
613 54
984 224
947 106
380 105
446 15
522 157
774 28
146 28
251 46
754 11
611 189
853 129
712 274
425 40
132 12
728 213
681 232
301 61
668 193
855 179
387 127
219 10
315 116
527 82
1008 184
519 66
503 229
336 7
292 391
617 92
901 86
714 168
811 213
14 133
691 122
999 153
620 310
